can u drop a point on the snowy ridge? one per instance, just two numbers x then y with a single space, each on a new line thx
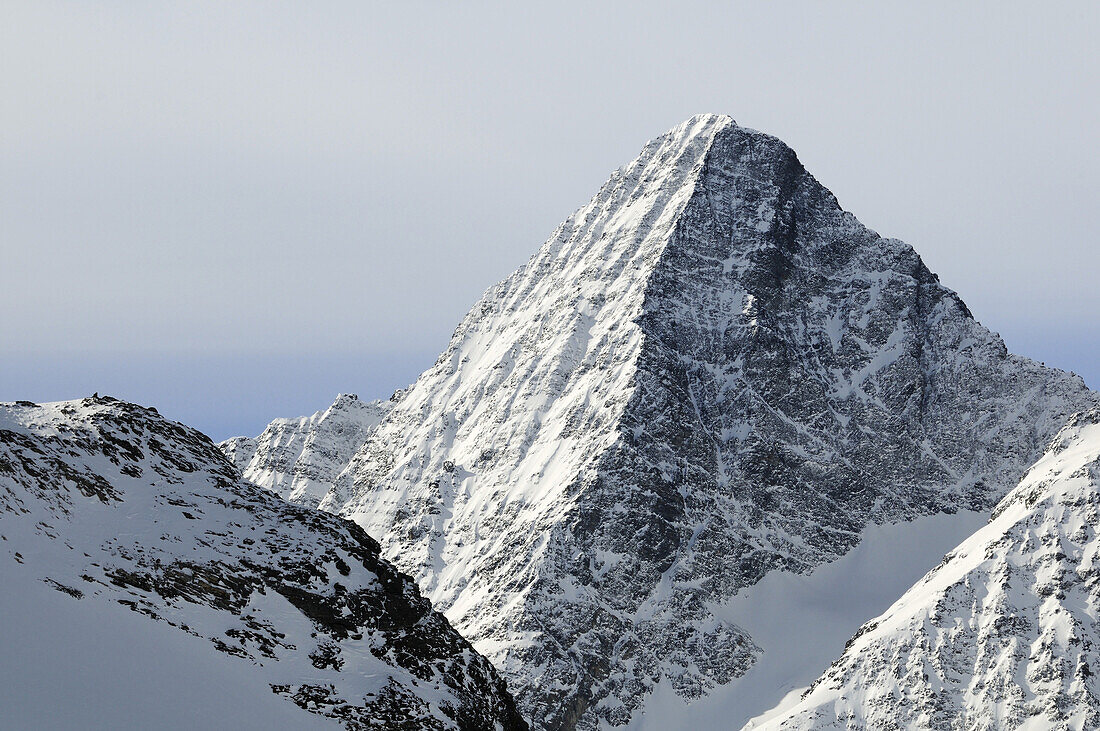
110 504
299 459
708 373
1002 634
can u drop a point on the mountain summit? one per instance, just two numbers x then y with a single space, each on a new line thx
708 373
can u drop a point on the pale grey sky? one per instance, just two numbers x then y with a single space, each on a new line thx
234 211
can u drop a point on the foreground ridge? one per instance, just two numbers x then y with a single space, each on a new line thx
112 504
708 373
1002 634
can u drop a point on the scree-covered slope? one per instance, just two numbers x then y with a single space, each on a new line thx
1003 634
109 504
708 373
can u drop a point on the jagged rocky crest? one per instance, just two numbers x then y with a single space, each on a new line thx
299 459
709 372
109 502
1002 634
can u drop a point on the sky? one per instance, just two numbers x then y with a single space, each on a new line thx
235 211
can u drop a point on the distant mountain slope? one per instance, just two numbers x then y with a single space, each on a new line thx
299 459
107 502
802 621
1003 634
708 373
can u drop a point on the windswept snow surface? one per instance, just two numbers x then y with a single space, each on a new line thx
708 373
109 505
1003 634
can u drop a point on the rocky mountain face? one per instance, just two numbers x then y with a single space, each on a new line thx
709 372
299 459
1003 633
108 502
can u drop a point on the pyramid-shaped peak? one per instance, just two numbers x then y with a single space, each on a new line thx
709 372
706 121
707 155
710 125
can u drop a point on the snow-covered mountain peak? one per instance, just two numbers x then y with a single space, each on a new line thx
708 372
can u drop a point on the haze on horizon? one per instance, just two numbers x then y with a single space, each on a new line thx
234 213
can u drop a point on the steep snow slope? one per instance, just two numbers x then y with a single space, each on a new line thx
709 372
1003 634
299 459
111 504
